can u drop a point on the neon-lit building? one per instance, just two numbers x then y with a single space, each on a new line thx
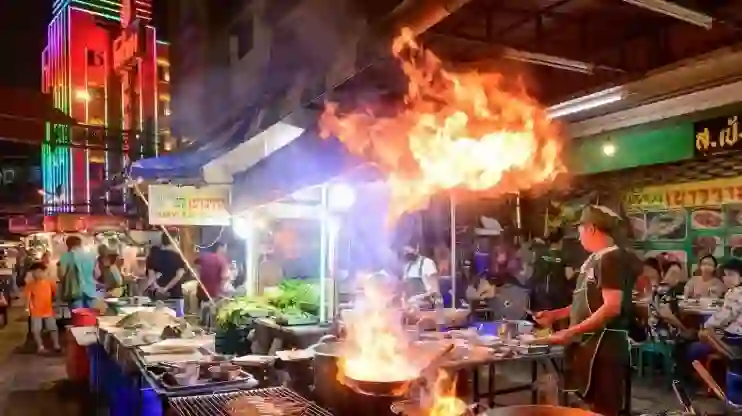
105 68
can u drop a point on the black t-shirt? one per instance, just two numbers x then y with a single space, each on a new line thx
618 270
166 263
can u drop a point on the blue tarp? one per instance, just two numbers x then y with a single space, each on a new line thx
188 162
307 161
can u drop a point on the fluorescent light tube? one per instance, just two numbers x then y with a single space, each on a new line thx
675 10
548 60
587 102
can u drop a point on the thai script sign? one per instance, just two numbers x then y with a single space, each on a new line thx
718 135
703 193
189 205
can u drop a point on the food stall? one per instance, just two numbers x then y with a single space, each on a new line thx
147 361
292 245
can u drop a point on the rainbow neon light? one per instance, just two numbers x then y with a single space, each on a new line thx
62 166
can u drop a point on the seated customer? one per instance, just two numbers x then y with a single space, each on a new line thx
728 320
664 324
650 277
705 284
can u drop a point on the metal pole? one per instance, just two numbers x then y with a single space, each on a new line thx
518 221
324 246
453 250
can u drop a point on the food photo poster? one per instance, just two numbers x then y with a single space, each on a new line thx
689 233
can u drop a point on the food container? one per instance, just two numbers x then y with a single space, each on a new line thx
186 379
225 372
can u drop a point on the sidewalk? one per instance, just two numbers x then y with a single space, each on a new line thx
31 385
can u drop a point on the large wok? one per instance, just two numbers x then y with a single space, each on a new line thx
336 395
538 410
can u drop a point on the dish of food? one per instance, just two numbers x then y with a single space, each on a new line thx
638 226
708 244
734 215
735 240
705 219
670 225
260 406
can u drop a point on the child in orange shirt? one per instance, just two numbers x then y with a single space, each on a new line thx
40 292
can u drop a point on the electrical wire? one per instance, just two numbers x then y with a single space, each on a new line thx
216 240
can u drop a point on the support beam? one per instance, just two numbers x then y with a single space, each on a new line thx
479 43
505 31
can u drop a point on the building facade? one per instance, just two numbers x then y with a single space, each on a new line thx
231 57
105 68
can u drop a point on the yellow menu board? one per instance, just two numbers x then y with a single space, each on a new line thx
690 194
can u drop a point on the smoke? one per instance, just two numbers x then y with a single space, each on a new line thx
294 43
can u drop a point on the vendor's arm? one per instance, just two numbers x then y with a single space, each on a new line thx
151 279
728 313
612 273
176 280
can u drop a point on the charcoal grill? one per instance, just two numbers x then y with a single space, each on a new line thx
219 404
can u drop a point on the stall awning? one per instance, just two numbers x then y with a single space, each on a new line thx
306 161
188 162
241 158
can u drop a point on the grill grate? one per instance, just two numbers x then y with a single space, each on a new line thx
219 404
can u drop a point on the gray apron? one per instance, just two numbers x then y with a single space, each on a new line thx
595 356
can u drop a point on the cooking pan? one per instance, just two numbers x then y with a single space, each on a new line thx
396 388
539 410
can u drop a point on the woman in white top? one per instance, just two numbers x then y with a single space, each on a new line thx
420 273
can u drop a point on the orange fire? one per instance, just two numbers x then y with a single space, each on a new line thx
376 347
455 130
444 400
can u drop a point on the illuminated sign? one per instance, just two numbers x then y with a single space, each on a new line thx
129 46
718 135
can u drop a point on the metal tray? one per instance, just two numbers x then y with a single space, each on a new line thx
248 382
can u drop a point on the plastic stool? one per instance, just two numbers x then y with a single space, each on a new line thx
648 351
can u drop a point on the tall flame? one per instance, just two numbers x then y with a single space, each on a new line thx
455 130
377 348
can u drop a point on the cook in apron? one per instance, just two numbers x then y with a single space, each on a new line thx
598 363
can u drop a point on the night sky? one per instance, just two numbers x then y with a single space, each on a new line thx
22 37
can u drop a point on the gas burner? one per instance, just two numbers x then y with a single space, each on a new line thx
413 408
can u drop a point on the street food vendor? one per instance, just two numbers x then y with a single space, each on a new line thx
598 351
420 273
